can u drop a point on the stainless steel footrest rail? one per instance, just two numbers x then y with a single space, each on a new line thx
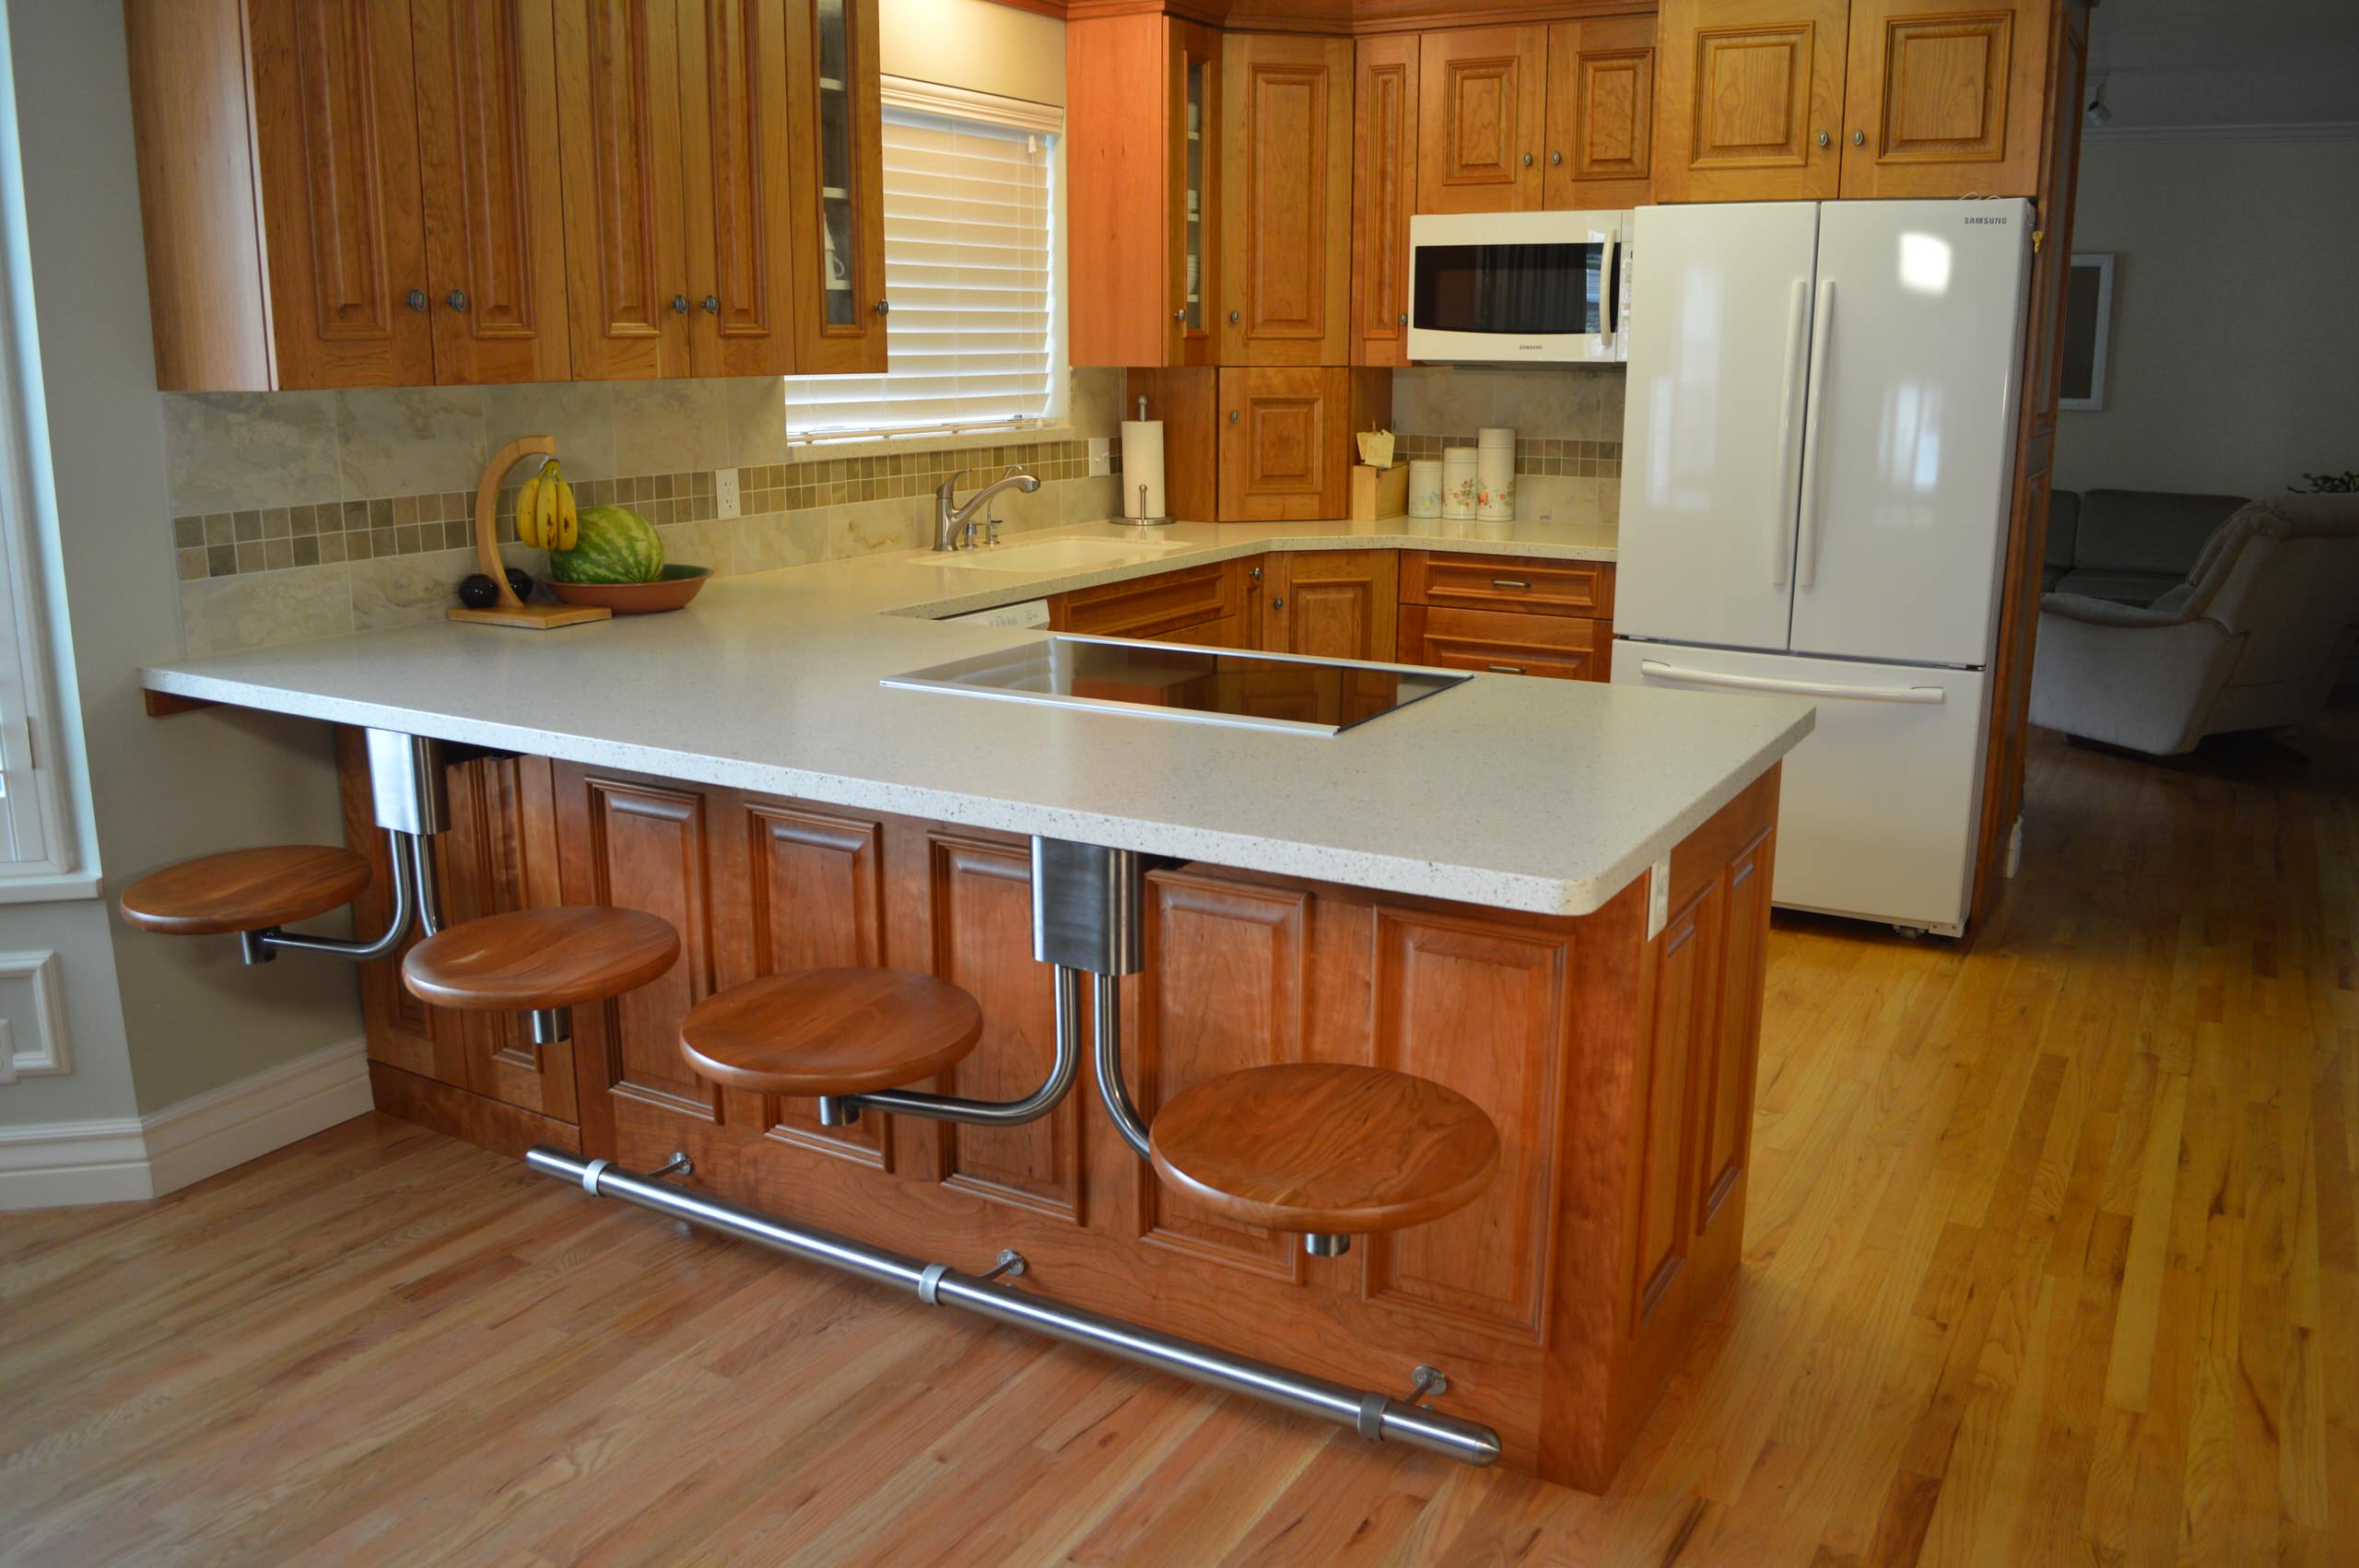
1374 1415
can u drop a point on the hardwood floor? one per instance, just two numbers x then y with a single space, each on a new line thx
2051 1259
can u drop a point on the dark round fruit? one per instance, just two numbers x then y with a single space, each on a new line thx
520 581
478 593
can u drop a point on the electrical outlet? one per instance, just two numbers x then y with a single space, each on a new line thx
1101 456
724 492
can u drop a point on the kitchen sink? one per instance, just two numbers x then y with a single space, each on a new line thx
1061 555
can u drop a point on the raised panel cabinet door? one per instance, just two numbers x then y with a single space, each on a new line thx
1944 99
1333 603
500 854
1223 988
1479 119
1480 1007
1286 167
487 154
618 79
978 904
837 125
1682 1039
336 156
739 182
1600 113
1384 196
1749 100
1282 432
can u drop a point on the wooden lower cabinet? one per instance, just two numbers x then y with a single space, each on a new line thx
1561 647
1331 604
1618 1068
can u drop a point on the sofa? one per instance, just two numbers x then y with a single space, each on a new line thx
2254 636
2132 546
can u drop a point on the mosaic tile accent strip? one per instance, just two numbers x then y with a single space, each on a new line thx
231 544
1534 455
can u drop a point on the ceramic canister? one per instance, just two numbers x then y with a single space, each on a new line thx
1459 482
1424 486
1494 475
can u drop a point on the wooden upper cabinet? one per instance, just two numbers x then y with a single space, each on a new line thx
1749 100
488 158
836 118
1384 196
1600 113
1286 169
1479 119
335 134
1143 113
1944 99
1284 445
618 80
1331 604
740 179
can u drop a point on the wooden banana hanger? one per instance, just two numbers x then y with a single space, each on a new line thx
511 611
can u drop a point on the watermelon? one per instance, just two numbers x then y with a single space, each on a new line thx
616 544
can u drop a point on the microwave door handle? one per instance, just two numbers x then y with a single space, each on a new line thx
1609 267
1806 555
1790 436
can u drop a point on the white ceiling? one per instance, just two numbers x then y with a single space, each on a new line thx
2227 62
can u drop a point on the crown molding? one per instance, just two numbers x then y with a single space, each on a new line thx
2220 135
1347 17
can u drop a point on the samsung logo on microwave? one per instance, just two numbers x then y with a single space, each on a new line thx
1997 221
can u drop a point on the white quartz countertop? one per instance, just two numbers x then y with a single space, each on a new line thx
1539 795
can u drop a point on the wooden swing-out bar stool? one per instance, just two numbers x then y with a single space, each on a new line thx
830 1034
542 962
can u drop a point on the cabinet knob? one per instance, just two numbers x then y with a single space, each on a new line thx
1180 314
883 306
1859 138
1404 318
456 300
1255 574
1233 416
680 304
1554 159
1527 161
1822 138
712 304
418 300
1234 317
1279 603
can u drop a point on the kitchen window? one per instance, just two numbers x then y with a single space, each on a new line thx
971 264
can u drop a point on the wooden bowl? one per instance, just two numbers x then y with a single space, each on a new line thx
670 591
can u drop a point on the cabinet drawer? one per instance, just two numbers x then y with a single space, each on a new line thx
1152 606
1509 582
1561 647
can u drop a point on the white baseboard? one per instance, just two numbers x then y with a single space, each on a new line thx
112 1161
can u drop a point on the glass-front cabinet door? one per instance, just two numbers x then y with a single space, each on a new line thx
1194 233
840 241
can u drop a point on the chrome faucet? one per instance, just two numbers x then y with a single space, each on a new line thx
951 520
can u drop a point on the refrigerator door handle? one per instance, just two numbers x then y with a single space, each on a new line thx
1654 669
1789 435
1806 556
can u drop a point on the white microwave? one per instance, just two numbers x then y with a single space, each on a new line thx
1520 287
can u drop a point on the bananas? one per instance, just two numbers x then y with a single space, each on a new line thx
547 516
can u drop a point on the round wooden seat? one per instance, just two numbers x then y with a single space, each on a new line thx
823 1033
534 960
1325 1149
245 889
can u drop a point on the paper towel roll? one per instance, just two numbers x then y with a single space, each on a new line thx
1142 464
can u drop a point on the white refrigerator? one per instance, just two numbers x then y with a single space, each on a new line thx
1817 456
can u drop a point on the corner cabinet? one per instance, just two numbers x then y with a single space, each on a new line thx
411 193
1142 181
1813 100
1384 196
1286 167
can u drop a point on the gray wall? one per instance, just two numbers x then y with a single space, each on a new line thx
191 1018
2233 365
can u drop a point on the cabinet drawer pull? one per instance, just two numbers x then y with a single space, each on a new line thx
1506 669
1510 582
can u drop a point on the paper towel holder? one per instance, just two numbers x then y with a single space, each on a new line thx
1147 521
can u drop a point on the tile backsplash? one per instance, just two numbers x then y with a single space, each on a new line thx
1567 422
298 515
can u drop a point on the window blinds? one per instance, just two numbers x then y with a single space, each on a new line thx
970 260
